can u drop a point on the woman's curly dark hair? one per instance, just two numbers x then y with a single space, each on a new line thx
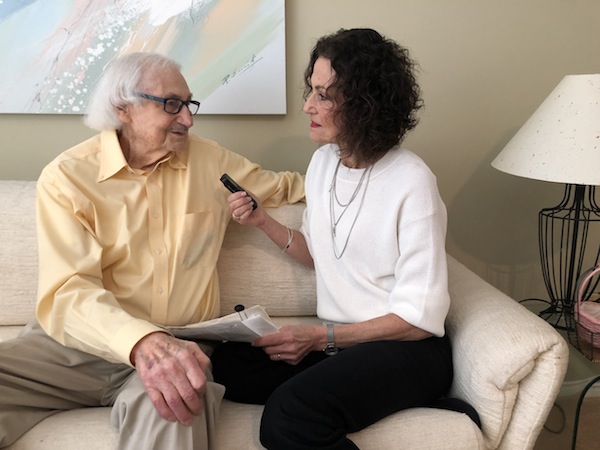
375 90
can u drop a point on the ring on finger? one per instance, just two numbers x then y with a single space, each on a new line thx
234 217
278 356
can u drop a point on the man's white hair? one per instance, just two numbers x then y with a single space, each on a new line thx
118 85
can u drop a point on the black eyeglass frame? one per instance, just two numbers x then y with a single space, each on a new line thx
172 100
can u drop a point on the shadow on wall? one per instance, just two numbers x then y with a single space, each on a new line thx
494 220
289 153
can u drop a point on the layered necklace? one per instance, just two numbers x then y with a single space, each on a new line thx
335 203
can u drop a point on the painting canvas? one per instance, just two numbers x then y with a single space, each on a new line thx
232 52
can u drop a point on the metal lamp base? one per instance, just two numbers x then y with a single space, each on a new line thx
569 238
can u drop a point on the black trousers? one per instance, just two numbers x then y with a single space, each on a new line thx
315 404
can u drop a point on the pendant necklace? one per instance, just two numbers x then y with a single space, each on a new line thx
333 200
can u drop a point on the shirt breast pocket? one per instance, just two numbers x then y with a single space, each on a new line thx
198 244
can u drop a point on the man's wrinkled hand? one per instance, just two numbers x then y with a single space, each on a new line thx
173 372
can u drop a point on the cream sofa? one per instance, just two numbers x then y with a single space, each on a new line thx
509 364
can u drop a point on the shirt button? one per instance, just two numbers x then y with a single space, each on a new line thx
160 290
159 251
156 215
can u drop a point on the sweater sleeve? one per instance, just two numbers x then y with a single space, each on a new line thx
420 295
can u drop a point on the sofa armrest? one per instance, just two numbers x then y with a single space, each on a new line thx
509 363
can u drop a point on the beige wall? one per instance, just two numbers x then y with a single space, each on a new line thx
486 66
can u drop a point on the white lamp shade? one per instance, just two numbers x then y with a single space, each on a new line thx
561 140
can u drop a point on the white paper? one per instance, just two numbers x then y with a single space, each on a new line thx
260 325
240 327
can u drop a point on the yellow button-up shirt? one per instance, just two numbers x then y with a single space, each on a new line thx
123 251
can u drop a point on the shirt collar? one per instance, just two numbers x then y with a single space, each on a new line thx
113 161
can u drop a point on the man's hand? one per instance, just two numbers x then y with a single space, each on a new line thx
173 373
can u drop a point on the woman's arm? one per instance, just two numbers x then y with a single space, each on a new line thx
290 241
292 343
390 327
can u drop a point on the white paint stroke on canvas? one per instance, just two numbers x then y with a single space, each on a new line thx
232 52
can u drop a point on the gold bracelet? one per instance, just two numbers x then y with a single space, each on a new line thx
289 241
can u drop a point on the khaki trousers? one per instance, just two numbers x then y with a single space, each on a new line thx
39 377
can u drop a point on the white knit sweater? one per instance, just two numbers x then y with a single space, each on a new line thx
395 258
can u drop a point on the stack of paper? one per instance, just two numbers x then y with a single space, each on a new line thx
243 326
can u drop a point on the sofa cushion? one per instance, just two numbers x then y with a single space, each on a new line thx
9 331
291 282
18 265
457 429
287 291
238 427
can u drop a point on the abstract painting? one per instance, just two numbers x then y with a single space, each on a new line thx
232 52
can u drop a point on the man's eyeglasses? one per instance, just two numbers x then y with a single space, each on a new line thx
172 105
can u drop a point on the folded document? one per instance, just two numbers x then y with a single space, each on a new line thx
243 326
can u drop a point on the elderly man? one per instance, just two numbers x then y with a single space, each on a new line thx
130 224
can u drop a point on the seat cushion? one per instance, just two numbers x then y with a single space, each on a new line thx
9 331
238 425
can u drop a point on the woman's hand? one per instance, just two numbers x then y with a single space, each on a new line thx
240 207
292 343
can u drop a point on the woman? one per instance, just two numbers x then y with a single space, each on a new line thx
374 229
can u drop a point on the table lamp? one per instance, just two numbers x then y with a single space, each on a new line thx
560 143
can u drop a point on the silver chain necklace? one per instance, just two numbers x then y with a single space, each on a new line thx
333 199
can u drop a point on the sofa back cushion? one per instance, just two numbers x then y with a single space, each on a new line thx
18 254
253 271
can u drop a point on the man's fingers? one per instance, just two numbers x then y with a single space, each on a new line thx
178 401
161 406
173 372
190 388
179 405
